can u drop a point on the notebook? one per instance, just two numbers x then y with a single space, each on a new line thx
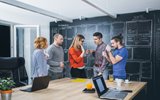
78 80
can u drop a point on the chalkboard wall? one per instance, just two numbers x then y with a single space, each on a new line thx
142 37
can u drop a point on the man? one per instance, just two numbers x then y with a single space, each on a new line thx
56 57
118 58
100 61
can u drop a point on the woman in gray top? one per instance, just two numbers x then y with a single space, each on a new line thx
39 58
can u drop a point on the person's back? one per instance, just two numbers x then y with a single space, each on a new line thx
39 59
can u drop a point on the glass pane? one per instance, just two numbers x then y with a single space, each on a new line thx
25 46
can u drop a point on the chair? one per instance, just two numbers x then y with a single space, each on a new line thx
22 71
12 65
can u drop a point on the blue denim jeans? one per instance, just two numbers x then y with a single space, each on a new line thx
104 74
120 77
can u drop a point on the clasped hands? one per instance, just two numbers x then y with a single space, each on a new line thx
108 49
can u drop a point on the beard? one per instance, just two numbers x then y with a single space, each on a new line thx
60 44
114 47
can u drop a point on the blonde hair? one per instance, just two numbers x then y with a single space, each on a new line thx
40 43
76 41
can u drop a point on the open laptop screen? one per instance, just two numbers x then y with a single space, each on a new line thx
100 85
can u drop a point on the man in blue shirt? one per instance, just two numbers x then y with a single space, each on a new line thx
118 58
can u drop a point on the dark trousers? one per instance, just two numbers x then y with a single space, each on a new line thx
78 73
55 75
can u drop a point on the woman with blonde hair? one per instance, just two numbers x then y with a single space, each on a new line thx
39 58
76 53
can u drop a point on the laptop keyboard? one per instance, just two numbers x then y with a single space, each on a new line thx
114 95
27 89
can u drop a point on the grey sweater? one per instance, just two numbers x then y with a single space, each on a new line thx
56 55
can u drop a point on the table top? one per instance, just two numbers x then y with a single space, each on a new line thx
69 89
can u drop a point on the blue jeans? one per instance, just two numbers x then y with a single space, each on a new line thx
104 73
120 77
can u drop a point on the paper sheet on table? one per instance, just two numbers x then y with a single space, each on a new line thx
78 80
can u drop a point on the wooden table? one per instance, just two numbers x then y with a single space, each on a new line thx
66 89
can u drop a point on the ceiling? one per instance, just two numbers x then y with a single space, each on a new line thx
75 8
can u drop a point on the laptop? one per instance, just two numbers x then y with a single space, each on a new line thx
106 93
38 84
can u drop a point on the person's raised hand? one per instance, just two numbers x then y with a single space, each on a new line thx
108 48
82 49
104 54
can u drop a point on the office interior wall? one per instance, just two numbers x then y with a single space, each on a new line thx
45 31
141 36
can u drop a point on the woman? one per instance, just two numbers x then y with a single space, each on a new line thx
76 53
39 58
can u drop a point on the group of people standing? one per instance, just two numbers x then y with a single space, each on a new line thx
54 56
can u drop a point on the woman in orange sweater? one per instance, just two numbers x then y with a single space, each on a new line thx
76 53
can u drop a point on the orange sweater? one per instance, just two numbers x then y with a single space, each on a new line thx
74 58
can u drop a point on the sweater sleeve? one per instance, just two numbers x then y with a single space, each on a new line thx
50 61
74 55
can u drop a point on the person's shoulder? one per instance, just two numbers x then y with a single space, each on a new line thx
104 44
38 51
71 49
50 46
124 49
56 47
61 47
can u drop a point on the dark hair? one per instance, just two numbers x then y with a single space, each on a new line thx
98 34
118 38
80 36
